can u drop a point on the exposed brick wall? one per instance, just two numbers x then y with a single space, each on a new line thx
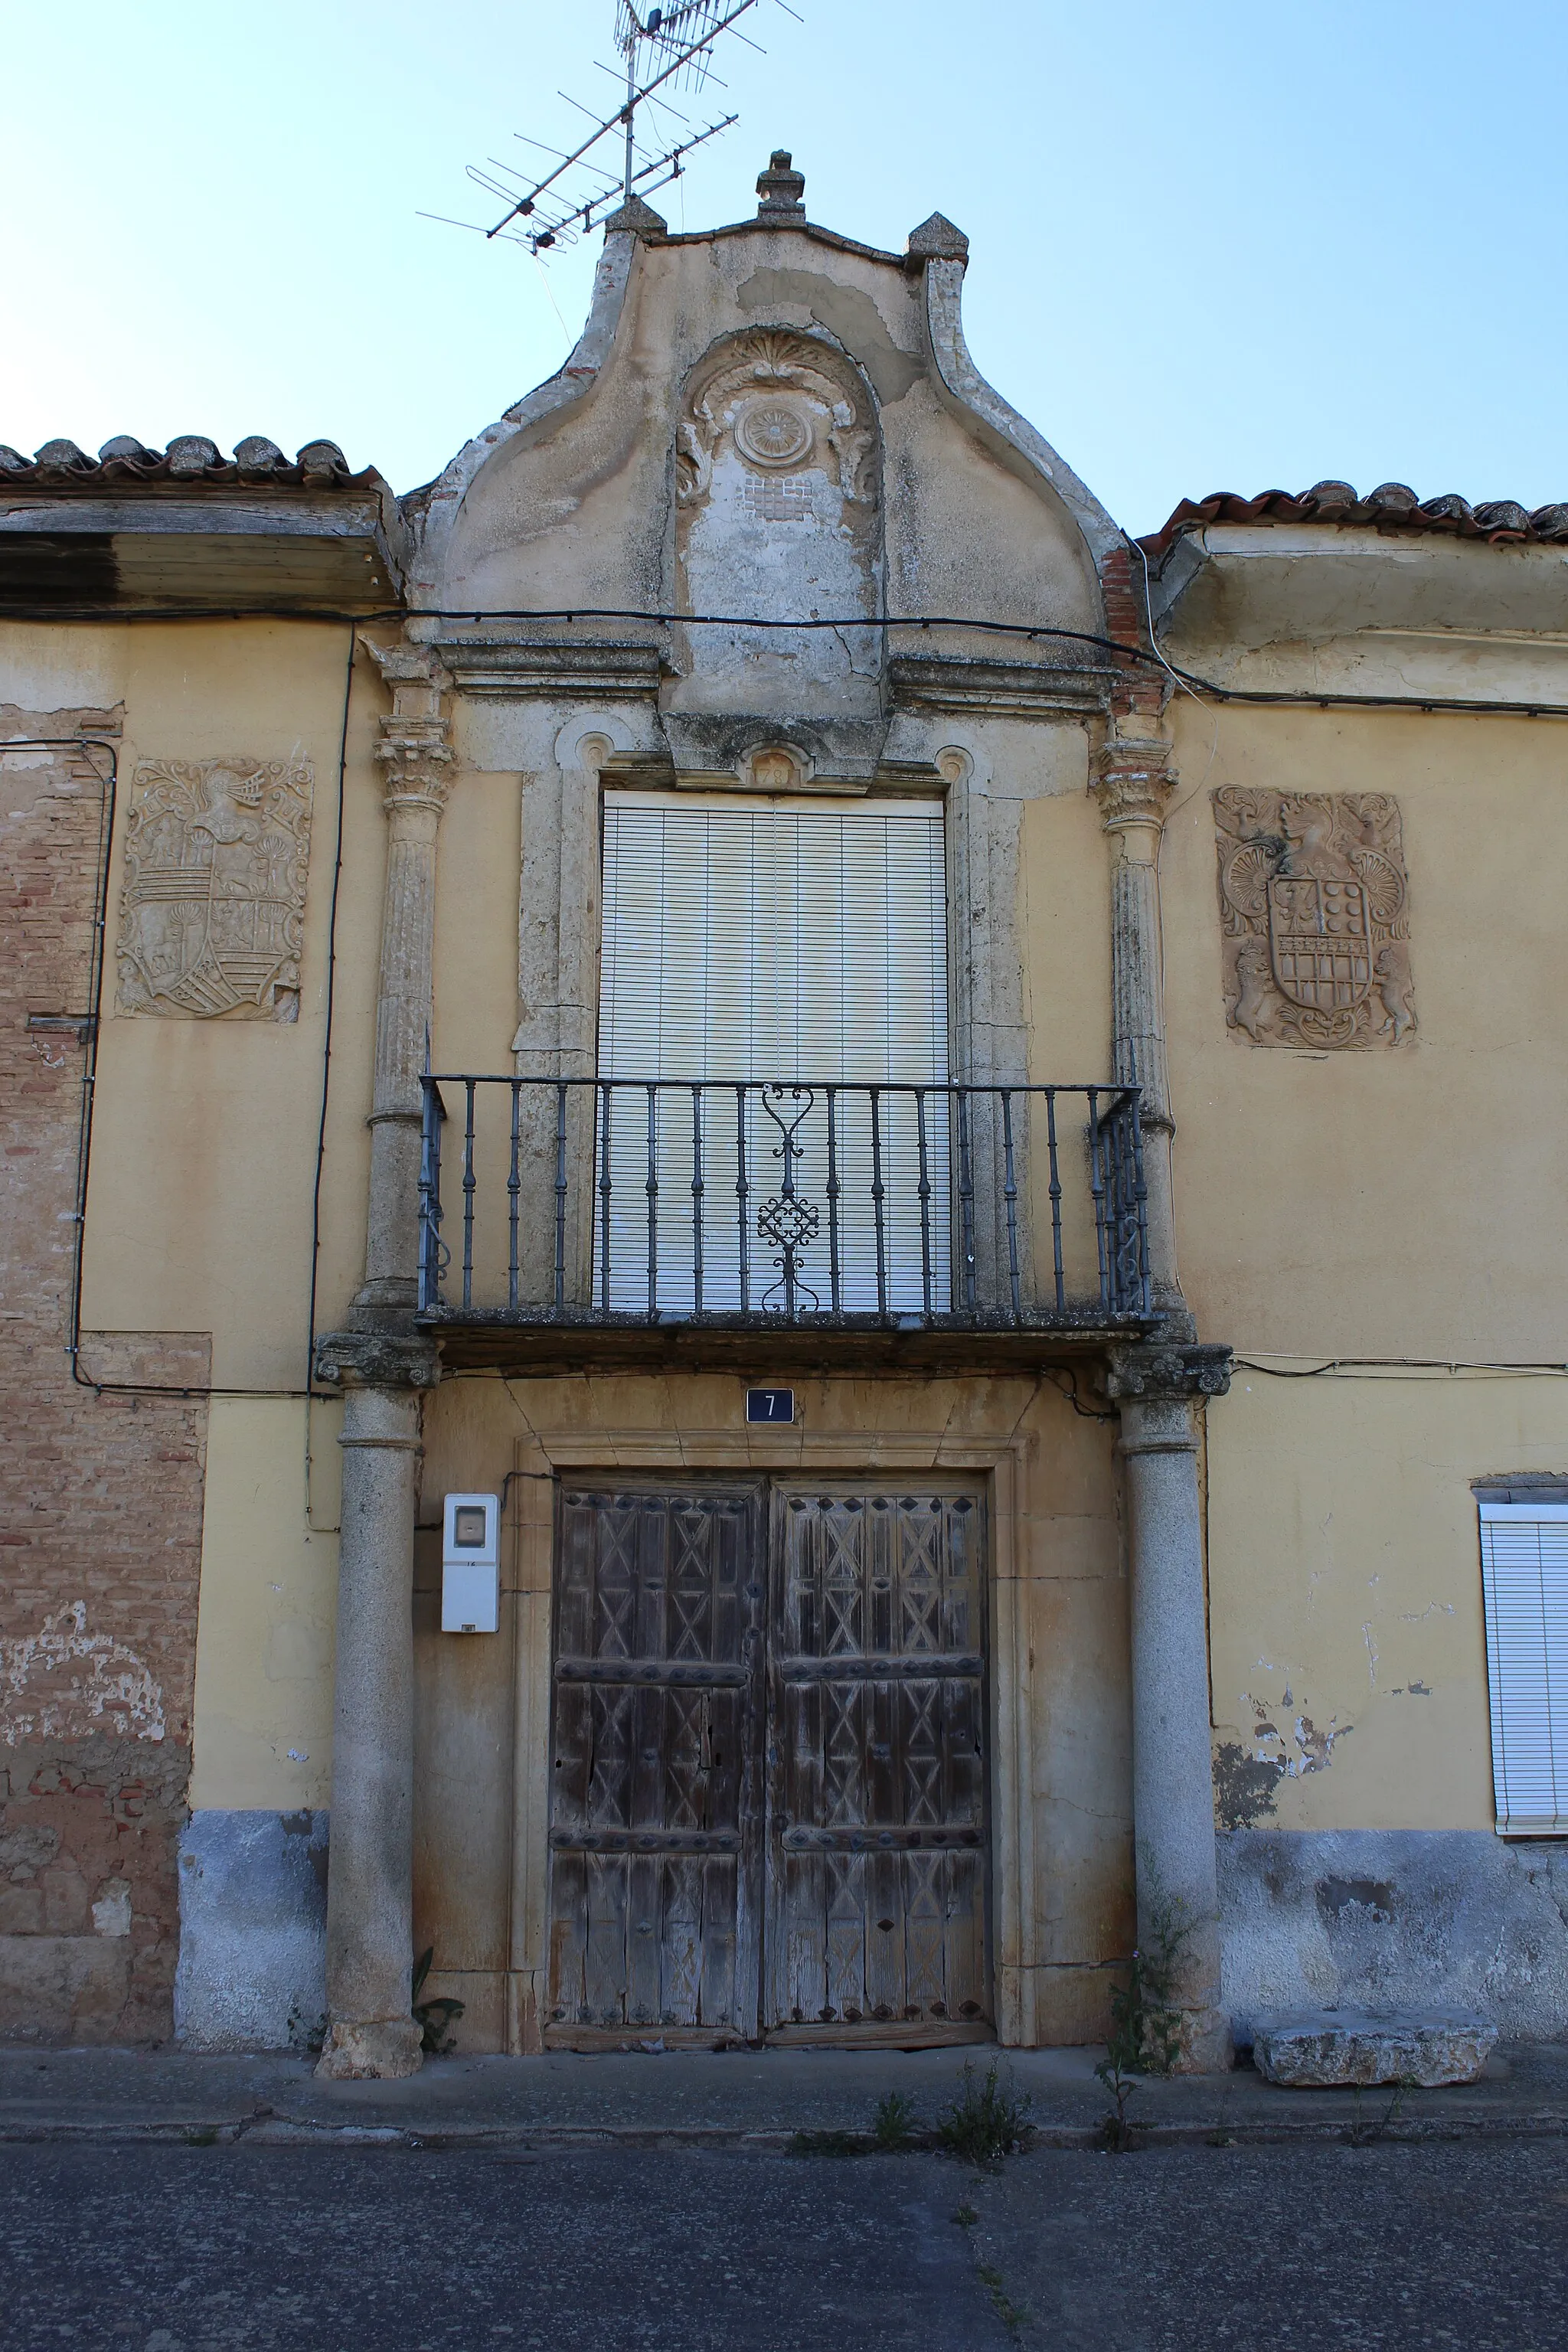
1140 694
100 1495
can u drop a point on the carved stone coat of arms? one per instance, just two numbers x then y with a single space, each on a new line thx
1314 911
213 910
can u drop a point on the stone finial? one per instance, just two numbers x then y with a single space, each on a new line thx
937 239
781 189
639 218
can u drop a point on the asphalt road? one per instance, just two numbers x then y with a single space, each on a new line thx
306 2250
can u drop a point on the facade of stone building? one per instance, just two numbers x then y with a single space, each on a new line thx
781 1232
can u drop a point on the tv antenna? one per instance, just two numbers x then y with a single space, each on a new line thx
661 51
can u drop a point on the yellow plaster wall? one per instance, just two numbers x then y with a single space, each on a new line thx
1065 926
478 872
269 1600
203 1152
1384 1203
1347 1638
46 665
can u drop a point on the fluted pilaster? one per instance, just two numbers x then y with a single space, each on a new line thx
416 758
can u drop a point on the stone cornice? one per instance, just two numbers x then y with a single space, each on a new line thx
1009 690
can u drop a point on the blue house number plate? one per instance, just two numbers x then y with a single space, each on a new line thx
770 1404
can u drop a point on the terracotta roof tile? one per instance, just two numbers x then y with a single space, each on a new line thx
190 458
1391 506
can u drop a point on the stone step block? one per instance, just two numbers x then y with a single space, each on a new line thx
1336 2049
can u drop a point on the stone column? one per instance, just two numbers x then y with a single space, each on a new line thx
1158 1391
416 756
1159 1387
383 1363
1135 783
370 1897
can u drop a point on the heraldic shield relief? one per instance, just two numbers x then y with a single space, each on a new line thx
1313 897
215 858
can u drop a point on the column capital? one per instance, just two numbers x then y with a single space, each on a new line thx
1160 1372
414 750
377 1359
1133 781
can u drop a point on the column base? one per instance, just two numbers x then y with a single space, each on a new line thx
1208 2046
371 2050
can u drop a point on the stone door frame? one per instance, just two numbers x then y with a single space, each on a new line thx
529 1565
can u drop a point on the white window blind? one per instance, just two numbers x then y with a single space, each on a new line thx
1524 1572
806 945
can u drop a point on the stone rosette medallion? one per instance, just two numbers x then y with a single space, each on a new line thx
1314 914
212 913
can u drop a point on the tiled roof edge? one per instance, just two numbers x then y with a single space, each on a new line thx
190 461
1393 505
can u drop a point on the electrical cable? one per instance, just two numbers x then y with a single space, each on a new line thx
1316 697
1398 1366
326 1077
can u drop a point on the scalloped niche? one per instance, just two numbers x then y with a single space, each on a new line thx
779 516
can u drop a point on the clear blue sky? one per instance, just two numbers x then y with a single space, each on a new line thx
1214 246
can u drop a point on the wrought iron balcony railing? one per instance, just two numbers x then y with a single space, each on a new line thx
614 1201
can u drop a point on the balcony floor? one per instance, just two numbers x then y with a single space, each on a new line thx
580 1338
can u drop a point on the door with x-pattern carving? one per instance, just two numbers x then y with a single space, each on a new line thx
876 1838
769 1783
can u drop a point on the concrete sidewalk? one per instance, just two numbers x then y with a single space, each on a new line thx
757 2100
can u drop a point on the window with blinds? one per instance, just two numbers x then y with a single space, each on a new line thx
803 945
1524 1572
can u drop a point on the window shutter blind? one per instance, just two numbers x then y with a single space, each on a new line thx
804 945
1524 1574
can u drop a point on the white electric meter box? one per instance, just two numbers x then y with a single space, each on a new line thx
470 1564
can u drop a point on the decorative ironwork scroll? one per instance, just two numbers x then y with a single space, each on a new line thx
788 1222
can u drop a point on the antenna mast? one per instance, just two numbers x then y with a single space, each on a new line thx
666 49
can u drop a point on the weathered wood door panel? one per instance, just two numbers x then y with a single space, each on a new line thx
853 1908
877 1835
655 1813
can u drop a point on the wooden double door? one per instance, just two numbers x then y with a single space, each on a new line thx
768 1805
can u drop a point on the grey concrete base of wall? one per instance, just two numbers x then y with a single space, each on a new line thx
253 1931
1391 1920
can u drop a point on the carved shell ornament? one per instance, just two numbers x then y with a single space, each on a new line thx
775 400
1313 913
